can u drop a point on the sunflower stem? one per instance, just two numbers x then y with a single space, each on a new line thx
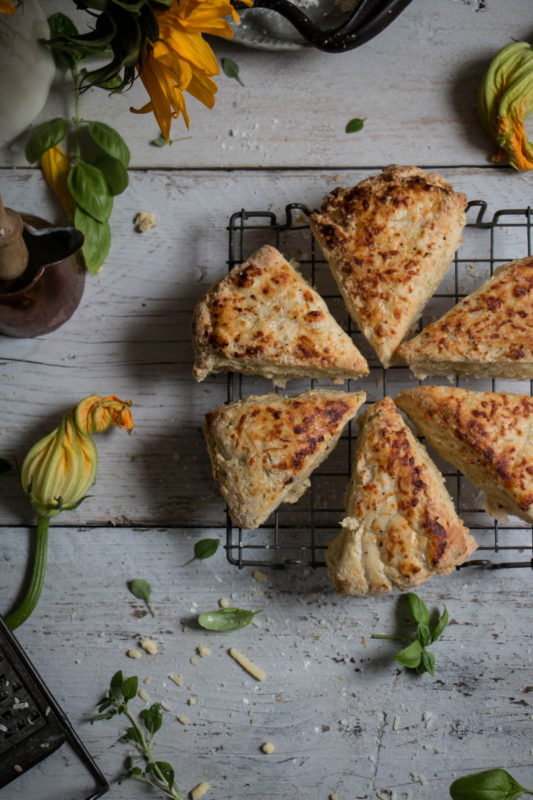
33 591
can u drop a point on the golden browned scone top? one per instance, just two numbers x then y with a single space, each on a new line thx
487 435
389 241
263 318
263 448
401 525
490 332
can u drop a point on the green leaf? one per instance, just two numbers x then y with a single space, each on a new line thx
115 687
97 239
205 548
231 69
427 663
162 142
418 609
5 466
45 136
355 125
152 718
411 655
110 141
424 636
142 590
491 784
114 172
226 619
167 771
89 189
62 31
133 735
129 687
441 624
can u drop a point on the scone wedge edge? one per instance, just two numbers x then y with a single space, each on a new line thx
488 436
264 448
401 527
263 318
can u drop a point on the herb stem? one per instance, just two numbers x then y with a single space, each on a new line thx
145 747
390 636
35 586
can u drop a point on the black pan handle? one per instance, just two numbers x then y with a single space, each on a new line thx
365 20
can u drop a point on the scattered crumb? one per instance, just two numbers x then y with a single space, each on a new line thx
259 576
363 641
203 651
256 623
143 221
147 680
192 701
144 695
430 748
149 645
223 602
177 679
134 653
193 660
250 712
165 706
185 629
190 687
184 720
246 664
199 790
231 714
18 768
268 748
396 723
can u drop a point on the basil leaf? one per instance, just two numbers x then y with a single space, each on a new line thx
152 718
162 142
355 125
115 687
110 141
168 772
142 590
226 619
424 636
129 687
411 655
418 609
491 784
231 69
114 173
205 548
45 136
5 466
62 30
133 735
441 624
427 663
97 239
88 187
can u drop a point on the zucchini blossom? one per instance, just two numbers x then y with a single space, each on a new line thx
505 100
58 472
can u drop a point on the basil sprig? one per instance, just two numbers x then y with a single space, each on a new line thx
226 619
415 655
491 784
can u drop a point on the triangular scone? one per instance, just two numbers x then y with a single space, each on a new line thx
263 318
389 242
264 448
488 334
487 436
401 527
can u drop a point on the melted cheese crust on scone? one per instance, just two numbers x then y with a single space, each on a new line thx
401 526
264 448
488 436
389 242
263 318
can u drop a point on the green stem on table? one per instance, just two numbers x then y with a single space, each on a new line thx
145 746
33 591
391 636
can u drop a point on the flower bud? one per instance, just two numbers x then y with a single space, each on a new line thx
59 470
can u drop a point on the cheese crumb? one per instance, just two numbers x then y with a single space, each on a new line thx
177 679
192 701
166 706
134 653
143 221
363 641
18 768
144 695
199 790
268 748
334 796
147 680
223 602
259 576
149 646
248 665
203 651
193 660
184 720
396 723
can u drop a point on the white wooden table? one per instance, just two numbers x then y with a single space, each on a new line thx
344 718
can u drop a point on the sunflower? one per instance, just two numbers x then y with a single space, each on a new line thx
7 7
181 60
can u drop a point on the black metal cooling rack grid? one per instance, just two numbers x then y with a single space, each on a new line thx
297 535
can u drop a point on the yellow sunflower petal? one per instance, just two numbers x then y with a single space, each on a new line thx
56 167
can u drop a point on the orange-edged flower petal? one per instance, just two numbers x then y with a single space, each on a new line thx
96 414
7 7
56 167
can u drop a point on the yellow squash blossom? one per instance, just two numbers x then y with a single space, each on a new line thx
56 167
58 472
181 60
7 7
505 99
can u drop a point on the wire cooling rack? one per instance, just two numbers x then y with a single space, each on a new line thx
297 535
